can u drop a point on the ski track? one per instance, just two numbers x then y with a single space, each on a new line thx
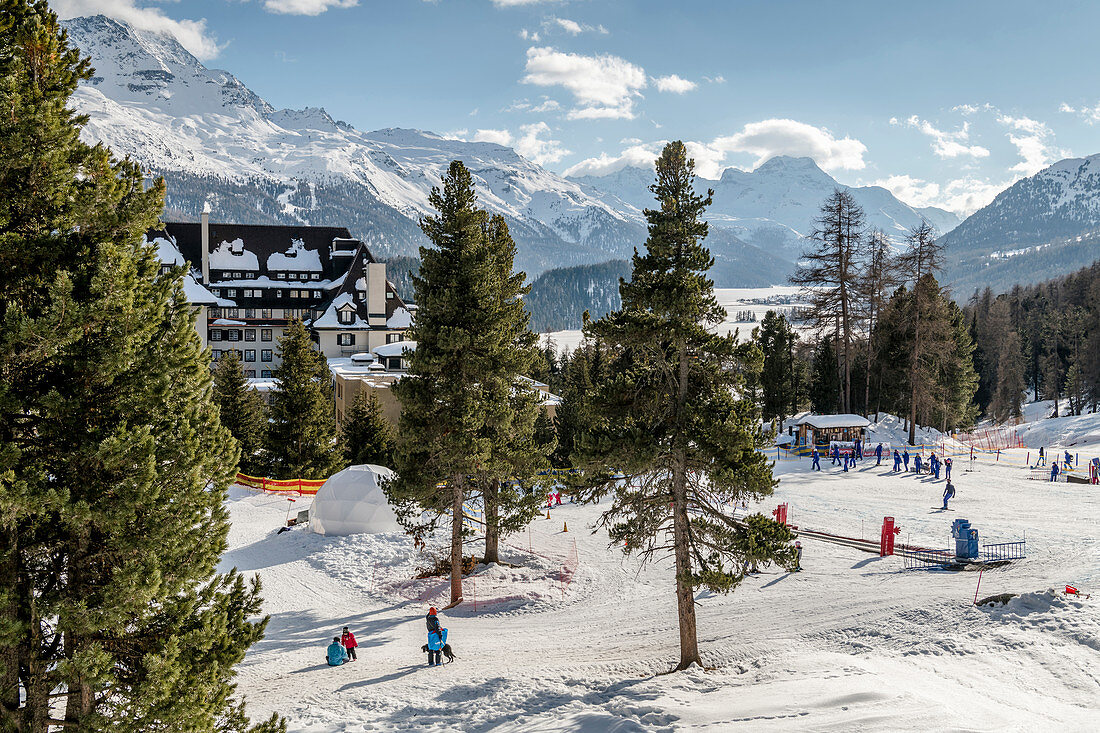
855 642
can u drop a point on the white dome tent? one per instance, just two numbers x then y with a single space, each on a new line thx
352 502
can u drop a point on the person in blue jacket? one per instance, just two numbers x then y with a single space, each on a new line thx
947 468
948 493
336 654
878 454
917 463
436 638
1069 460
846 461
1054 470
905 459
859 450
816 456
836 455
897 460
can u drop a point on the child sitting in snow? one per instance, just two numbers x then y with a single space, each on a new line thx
336 655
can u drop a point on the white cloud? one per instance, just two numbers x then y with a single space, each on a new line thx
946 144
500 137
635 156
529 35
518 3
603 86
1090 115
969 109
572 27
719 79
532 146
962 196
768 138
1066 108
1034 144
192 34
674 84
306 7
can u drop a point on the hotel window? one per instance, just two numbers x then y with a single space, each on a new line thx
236 276
250 335
265 313
345 339
250 276
217 353
249 312
393 338
265 334
216 291
293 293
315 276
250 355
215 312
278 293
231 293
216 335
233 334
281 276
346 316
251 373
265 374
265 355
232 312
389 294
316 293
394 363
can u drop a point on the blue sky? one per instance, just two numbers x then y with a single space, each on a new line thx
945 103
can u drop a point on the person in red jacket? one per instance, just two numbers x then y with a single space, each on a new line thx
348 640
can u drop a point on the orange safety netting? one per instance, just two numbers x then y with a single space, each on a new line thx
277 486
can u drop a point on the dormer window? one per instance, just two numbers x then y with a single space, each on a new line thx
345 316
281 275
314 276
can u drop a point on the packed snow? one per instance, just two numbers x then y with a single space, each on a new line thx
573 635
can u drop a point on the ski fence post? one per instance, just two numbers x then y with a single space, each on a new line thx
978 586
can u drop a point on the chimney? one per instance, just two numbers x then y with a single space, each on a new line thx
376 293
206 245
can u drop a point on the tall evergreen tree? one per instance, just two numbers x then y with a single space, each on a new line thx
1007 401
467 419
667 416
301 437
241 411
920 264
366 435
113 465
777 340
824 380
877 280
830 274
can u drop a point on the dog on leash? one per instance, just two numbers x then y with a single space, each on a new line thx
447 652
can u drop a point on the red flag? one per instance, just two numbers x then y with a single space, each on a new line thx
1071 589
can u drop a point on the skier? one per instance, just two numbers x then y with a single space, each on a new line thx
845 461
1054 470
905 458
948 493
859 449
836 455
878 454
1042 458
817 460
435 639
916 463
336 655
897 461
935 466
947 468
797 556
1069 460
348 640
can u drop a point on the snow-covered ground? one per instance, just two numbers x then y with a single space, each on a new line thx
734 300
854 642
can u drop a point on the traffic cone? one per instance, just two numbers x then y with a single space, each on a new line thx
547 513
565 527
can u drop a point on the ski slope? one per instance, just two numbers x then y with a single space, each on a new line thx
855 642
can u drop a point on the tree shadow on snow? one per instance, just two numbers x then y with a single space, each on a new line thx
293 630
773 582
865 562
395 675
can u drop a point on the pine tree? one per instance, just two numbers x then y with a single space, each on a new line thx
777 340
113 465
366 435
667 417
825 383
443 441
301 437
831 274
241 411
1008 398
877 280
920 264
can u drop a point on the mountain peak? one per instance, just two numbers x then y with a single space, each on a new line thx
789 164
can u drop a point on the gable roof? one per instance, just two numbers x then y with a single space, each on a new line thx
835 421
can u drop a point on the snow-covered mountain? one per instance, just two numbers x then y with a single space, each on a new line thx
776 203
217 143
1040 227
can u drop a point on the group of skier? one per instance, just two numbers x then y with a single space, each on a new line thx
846 458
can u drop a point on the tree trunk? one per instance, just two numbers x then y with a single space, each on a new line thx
36 684
9 616
456 540
685 597
492 522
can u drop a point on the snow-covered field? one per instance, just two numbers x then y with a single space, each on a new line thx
854 642
734 300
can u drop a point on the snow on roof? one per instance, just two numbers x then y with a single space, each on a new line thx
401 318
330 319
167 252
196 294
228 322
835 421
296 258
233 256
397 348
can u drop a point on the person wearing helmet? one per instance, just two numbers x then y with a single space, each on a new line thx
797 556
435 639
